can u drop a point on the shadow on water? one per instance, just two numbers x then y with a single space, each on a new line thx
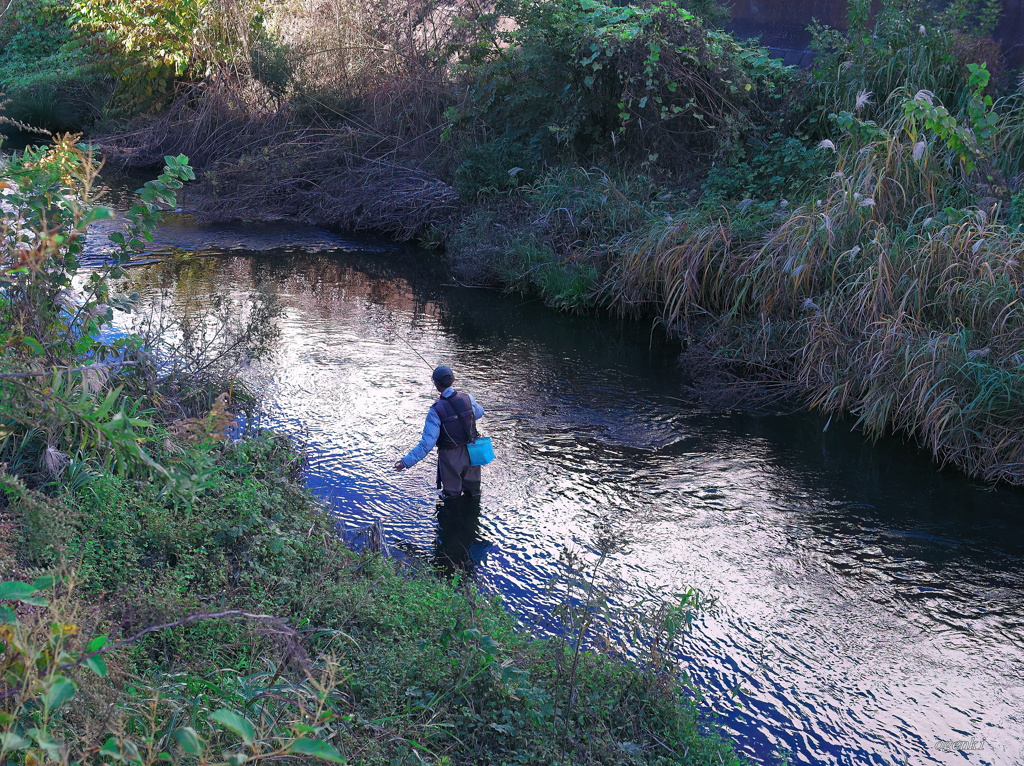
870 606
459 547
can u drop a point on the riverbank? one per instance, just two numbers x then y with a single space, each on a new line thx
170 594
848 237
380 663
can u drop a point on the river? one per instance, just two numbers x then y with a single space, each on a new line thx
868 606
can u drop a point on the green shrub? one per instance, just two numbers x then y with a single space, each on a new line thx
597 80
45 81
563 283
908 45
494 167
784 168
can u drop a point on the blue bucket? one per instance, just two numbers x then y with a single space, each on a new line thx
480 451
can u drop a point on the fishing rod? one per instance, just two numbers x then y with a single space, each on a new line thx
413 348
489 409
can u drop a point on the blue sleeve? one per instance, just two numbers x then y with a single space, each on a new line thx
431 430
478 411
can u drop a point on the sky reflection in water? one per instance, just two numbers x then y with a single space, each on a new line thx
869 606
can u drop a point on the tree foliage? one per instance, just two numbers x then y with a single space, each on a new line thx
594 78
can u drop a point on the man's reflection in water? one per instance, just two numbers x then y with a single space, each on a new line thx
458 547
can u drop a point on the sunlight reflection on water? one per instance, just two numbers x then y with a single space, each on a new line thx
869 606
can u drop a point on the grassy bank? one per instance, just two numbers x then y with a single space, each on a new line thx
169 595
849 235
382 664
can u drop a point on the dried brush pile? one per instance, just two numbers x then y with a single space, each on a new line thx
330 114
263 165
332 179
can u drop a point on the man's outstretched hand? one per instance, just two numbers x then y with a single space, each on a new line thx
399 465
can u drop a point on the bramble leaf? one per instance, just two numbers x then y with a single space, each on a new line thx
59 693
13 590
97 665
188 739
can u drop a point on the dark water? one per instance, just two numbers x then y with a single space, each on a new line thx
870 608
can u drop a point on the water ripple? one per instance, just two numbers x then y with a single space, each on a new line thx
869 607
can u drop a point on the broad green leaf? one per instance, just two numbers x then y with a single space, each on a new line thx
130 751
96 214
111 749
7 615
12 741
315 748
240 725
15 591
188 739
59 692
42 583
46 742
97 643
33 345
97 665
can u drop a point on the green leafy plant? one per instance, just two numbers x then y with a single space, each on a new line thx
57 380
970 143
39 662
595 78
148 46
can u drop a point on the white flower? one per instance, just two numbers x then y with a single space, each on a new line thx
919 149
827 144
925 95
866 202
863 99
809 305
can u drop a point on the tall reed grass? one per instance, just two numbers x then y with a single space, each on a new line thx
890 298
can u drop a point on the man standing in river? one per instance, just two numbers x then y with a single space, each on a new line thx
451 425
